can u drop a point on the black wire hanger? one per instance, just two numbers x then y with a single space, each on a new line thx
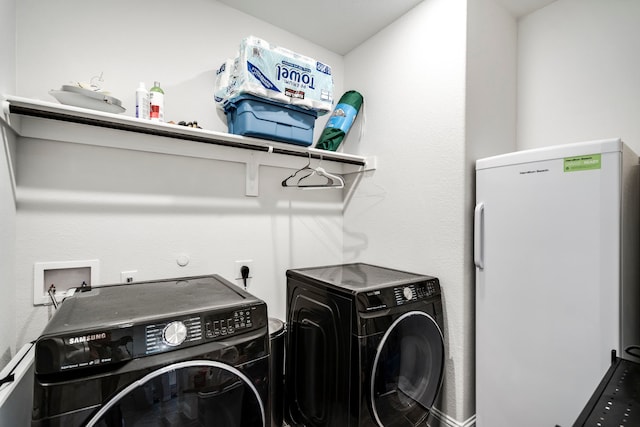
307 172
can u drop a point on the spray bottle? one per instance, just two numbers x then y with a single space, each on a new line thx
142 102
156 101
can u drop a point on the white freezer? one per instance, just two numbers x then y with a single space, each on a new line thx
556 253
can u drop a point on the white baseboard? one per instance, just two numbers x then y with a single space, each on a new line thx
447 421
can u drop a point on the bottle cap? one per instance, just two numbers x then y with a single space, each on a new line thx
142 86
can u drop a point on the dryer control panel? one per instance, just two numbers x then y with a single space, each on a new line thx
120 343
381 299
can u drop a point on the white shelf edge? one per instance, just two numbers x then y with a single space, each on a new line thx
138 125
24 114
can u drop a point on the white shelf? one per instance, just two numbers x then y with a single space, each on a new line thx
46 120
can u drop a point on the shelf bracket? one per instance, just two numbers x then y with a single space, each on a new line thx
253 176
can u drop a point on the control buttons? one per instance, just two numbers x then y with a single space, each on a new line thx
431 289
174 333
407 293
228 324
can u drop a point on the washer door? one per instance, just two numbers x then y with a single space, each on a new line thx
193 393
407 371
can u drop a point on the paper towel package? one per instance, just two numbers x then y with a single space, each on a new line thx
276 73
223 79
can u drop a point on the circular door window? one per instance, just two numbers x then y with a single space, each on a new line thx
194 393
407 371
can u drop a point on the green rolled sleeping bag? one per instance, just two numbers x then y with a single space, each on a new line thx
340 121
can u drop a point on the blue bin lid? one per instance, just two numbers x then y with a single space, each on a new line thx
232 103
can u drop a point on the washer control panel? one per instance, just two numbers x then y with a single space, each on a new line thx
415 291
186 331
101 334
381 299
162 336
225 324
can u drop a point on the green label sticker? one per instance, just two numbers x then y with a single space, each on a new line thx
582 163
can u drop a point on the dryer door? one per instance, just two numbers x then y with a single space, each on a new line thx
316 375
407 371
192 393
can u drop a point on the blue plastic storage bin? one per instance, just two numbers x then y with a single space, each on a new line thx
250 115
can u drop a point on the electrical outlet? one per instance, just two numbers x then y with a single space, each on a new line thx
128 276
238 272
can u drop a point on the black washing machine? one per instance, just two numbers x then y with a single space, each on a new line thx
364 346
180 352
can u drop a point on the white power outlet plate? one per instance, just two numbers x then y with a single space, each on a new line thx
128 276
238 273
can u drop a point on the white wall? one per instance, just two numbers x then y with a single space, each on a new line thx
129 42
409 213
578 73
8 46
7 202
490 130
491 81
137 211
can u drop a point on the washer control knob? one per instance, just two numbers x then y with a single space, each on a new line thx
174 333
408 293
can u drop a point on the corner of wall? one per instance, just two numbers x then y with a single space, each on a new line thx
7 192
7 245
490 129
